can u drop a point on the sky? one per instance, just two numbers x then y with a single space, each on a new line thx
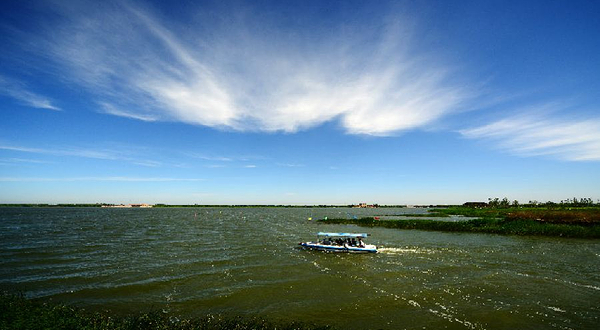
299 102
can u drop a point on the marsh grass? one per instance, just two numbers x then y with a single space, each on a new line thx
484 225
17 312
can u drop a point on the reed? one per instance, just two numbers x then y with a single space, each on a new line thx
565 215
582 217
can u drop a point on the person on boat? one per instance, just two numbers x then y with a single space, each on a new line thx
361 243
353 242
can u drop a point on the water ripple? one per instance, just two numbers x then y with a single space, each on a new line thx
193 261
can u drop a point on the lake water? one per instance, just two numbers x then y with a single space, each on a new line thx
194 261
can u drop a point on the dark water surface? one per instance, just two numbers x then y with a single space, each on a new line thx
194 261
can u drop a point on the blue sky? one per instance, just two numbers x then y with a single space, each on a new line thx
299 102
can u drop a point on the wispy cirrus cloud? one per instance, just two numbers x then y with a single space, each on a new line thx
113 110
215 166
247 73
16 161
290 165
538 134
22 149
75 152
112 178
224 158
103 154
211 158
19 91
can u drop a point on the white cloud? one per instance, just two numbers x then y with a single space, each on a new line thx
535 134
370 79
17 90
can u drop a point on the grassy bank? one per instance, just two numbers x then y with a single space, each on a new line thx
561 223
17 312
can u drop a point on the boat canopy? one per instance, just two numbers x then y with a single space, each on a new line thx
342 234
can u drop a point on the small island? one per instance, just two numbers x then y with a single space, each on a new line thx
576 218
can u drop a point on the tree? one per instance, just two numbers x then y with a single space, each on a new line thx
494 203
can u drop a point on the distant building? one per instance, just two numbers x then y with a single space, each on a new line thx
143 205
365 206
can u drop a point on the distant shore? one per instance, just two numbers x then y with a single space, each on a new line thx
196 205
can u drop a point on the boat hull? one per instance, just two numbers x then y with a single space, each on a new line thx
338 248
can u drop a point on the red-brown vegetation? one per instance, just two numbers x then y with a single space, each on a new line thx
581 217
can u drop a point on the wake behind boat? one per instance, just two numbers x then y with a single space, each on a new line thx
340 242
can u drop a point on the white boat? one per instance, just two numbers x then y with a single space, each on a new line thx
340 242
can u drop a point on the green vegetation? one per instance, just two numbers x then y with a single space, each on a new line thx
20 313
489 225
570 218
565 203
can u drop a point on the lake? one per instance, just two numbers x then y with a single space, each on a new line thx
240 261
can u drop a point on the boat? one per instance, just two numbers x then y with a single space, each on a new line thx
340 242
